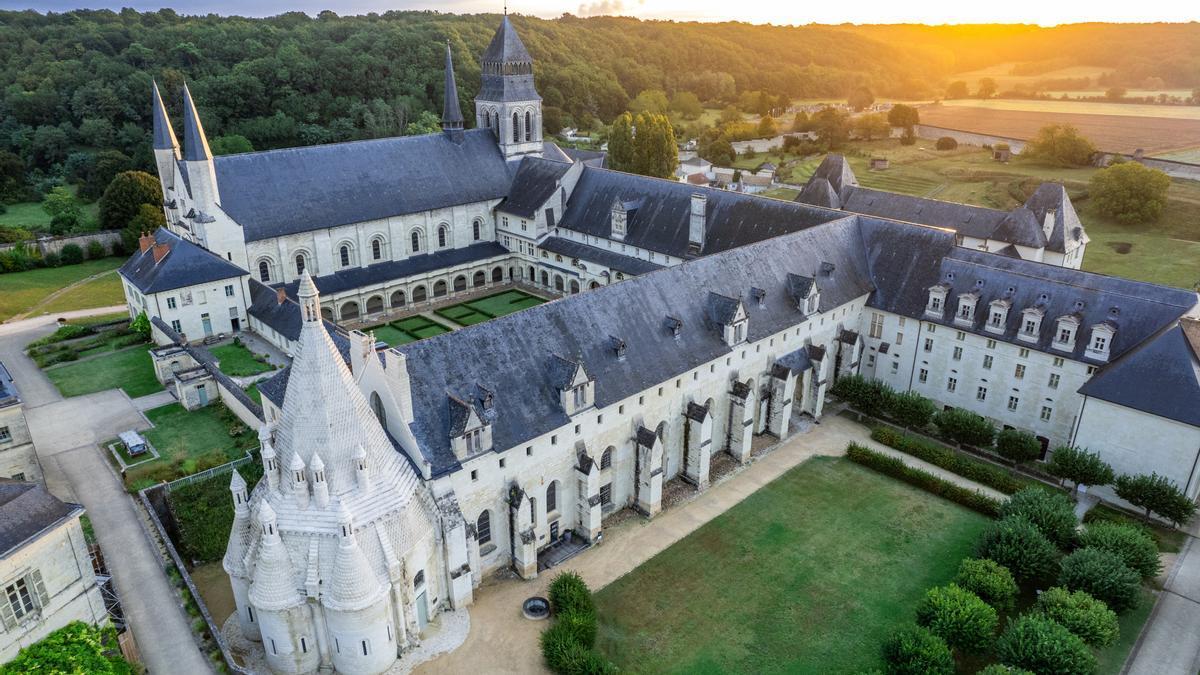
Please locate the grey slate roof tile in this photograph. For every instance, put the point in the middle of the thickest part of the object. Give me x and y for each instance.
(1160, 376)
(26, 509)
(185, 265)
(601, 256)
(533, 184)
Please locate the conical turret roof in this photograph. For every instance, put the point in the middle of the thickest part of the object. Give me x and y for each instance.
(274, 586)
(506, 45)
(164, 135)
(452, 117)
(195, 143)
(353, 585)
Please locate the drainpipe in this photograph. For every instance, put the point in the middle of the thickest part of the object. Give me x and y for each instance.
(912, 371)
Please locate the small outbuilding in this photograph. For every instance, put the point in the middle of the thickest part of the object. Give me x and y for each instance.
(134, 443)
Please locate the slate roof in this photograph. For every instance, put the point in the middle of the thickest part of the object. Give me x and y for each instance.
(506, 45)
(451, 112)
(533, 184)
(515, 355)
(279, 192)
(195, 143)
(1067, 227)
(660, 213)
(284, 317)
(551, 151)
(1160, 376)
(359, 277)
(26, 510)
(506, 48)
(596, 158)
(164, 135)
(9, 396)
(601, 256)
(186, 264)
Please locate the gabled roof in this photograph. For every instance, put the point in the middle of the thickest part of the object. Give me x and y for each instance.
(185, 264)
(1160, 376)
(818, 192)
(279, 192)
(600, 256)
(596, 158)
(836, 170)
(533, 184)
(27, 509)
(1067, 229)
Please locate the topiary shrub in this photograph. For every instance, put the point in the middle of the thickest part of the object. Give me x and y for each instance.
(1133, 544)
(1018, 545)
(912, 410)
(1018, 446)
(1081, 614)
(51, 259)
(916, 651)
(1079, 466)
(958, 616)
(946, 143)
(989, 580)
(580, 624)
(71, 254)
(965, 427)
(569, 593)
(1042, 645)
(1051, 512)
(95, 250)
(1103, 575)
(998, 669)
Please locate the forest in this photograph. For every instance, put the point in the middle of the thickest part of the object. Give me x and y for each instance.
(74, 104)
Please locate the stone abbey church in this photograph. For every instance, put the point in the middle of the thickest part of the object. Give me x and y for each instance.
(690, 324)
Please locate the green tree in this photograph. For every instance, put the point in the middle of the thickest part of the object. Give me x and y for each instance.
(1130, 192)
(767, 127)
(1060, 144)
(12, 178)
(1080, 467)
(655, 152)
(860, 99)
(686, 104)
(964, 427)
(957, 89)
(71, 254)
(1133, 544)
(230, 145)
(730, 114)
(1081, 614)
(74, 649)
(912, 410)
(104, 166)
(147, 220)
(123, 200)
(987, 87)
(1018, 545)
(1115, 93)
(1018, 446)
(713, 146)
(1156, 494)
(990, 580)
(620, 143)
(427, 122)
(1050, 512)
(141, 325)
(832, 127)
(917, 651)
(62, 207)
(1104, 576)
(870, 127)
(1042, 645)
(650, 101)
(801, 122)
(903, 116)
(958, 616)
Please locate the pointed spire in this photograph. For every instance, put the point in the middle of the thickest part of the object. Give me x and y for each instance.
(452, 118)
(310, 299)
(274, 586)
(506, 46)
(164, 135)
(195, 143)
(353, 584)
(234, 561)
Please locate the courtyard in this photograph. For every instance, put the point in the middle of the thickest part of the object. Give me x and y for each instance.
(467, 313)
(809, 574)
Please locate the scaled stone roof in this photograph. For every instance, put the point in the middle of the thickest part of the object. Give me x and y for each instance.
(1160, 376)
(27, 509)
(185, 265)
(279, 192)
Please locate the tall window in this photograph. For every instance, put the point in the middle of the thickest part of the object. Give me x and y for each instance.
(487, 120)
(483, 528)
(876, 325)
(264, 271)
(416, 241)
(516, 128)
(344, 254)
(606, 459)
(552, 497)
(23, 597)
(376, 249)
(528, 126)
(377, 408)
(300, 263)
(475, 230)
(441, 236)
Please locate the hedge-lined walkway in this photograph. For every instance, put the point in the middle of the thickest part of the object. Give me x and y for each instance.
(501, 641)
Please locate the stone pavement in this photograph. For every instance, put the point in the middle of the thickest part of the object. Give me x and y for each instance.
(502, 641)
(155, 400)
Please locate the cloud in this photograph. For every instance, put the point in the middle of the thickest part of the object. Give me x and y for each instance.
(604, 8)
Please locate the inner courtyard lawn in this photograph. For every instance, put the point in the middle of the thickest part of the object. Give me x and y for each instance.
(129, 369)
(236, 360)
(810, 574)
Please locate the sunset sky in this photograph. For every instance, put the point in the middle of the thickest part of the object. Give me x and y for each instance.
(755, 11)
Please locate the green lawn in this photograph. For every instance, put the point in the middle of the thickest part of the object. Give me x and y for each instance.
(22, 292)
(1111, 659)
(252, 392)
(130, 370)
(391, 335)
(189, 442)
(807, 575)
(236, 360)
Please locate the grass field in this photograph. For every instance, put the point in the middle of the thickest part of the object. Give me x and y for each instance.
(188, 442)
(130, 370)
(1005, 79)
(1111, 659)
(1112, 132)
(24, 292)
(237, 361)
(808, 575)
(1191, 155)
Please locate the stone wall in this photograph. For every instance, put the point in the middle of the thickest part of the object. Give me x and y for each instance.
(55, 244)
(1016, 145)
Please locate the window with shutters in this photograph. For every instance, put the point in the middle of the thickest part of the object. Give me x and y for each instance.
(23, 597)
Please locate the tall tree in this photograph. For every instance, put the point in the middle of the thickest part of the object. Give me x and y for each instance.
(957, 89)
(620, 143)
(987, 87)
(1130, 192)
(860, 99)
(123, 199)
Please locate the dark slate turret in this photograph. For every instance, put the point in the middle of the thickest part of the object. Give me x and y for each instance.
(164, 135)
(195, 143)
(507, 68)
(452, 118)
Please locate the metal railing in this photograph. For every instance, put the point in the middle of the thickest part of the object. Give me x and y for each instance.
(209, 473)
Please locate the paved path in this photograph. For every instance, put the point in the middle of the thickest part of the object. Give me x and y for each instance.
(20, 325)
(501, 641)
(65, 433)
(155, 400)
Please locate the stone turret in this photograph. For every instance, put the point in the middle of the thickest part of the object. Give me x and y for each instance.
(270, 461)
(507, 102)
(357, 608)
(284, 622)
(234, 561)
(452, 118)
(361, 470)
(299, 481)
(319, 487)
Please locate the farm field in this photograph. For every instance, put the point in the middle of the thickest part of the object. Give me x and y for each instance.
(1114, 133)
(1005, 79)
(1177, 112)
(1191, 155)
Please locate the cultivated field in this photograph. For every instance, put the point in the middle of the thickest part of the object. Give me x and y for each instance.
(1114, 133)
(1178, 112)
(1002, 74)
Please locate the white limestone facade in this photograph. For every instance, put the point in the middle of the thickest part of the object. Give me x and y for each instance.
(1135, 442)
(18, 457)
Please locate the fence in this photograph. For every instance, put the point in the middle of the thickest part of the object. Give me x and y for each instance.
(209, 473)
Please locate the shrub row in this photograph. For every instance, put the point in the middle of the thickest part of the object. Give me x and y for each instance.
(979, 471)
(568, 646)
(22, 257)
(896, 468)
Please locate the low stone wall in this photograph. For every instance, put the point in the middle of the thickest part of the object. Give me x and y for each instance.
(1016, 145)
(55, 244)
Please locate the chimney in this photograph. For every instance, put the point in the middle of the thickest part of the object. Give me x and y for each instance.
(145, 242)
(618, 220)
(697, 224)
(280, 295)
(160, 252)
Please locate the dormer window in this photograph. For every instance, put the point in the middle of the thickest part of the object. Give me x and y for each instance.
(619, 220)
(1064, 338)
(618, 347)
(728, 316)
(997, 316)
(739, 331)
(576, 389)
(675, 326)
(805, 293)
(1098, 346)
(470, 430)
(966, 309)
(1031, 325)
(759, 295)
(936, 305)
(811, 304)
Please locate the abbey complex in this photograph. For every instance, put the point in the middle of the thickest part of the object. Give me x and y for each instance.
(688, 323)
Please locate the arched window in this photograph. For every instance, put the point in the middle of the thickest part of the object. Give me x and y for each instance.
(552, 497)
(479, 278)
(419, 579)
(476, 228)
(528, 126)
(350, 310)
(532, 276)
(483, 528)
(264, 271)
(606, 459)
(460, 283)
(344, 255)
(545, 279)
(497, 275)
(300, 264)
(574, 286)
(375, 304)
(516, 128)
(376, 249)
(439, 289)
(419, 294)
(442, 236)
(416, 241)
(487, 119)
(558, 282)
(377, 408)
(398, 299)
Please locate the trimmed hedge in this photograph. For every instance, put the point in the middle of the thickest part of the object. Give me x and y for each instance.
(896, 468)
(917, 651)
(1050, 512)
(958, 616)
(965, 427)
(998, 669)
(568, 646)
(995, 477)
(569, 593)
(1104, 576)
(1042, 645)
(990, 580)
(1081, 614)
(1132, 543)
(1018, 545)
(1018, 446)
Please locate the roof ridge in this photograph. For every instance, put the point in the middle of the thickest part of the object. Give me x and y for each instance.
(1074, 285)
(298, 148)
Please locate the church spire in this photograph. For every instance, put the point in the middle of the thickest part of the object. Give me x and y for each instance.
(164, 135)
(452, 118)
(195, 143)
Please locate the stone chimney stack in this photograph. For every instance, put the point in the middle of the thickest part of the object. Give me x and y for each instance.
(280, 295)
(160, 252)
(697, 223)
(145, 242)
